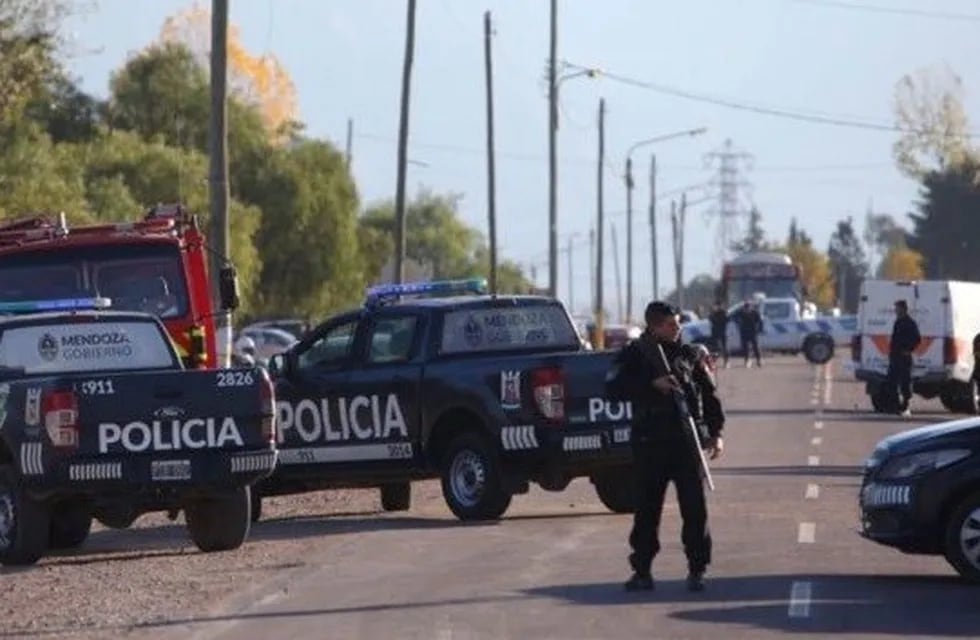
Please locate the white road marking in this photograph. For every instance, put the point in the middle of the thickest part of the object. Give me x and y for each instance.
(813, 461)
(818, 424)
(799, 599)
(808, 533)
(812, 492)
(816, 441)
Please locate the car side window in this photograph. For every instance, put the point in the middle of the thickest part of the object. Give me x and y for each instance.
(331, 348)
(391, 339)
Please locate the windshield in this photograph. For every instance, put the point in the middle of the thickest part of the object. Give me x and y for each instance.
(85, 347)
(743, 289)
(145, 277)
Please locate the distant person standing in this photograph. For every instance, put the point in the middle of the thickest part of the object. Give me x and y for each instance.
(749, 323)
(905, 338)
(719, 330)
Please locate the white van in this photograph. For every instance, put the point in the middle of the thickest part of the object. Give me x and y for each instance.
(948, 315)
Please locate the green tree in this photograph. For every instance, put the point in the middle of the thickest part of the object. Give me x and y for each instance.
(848, 264)
(308, 237)
(37, 176)
(901, 263)
(698, 292)
(755, 235)
(945, 225)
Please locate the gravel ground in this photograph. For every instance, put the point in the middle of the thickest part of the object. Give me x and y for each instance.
(152, 572)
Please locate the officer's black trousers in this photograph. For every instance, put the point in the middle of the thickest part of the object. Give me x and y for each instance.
(900, 374)
(751, 342)
(655, 466)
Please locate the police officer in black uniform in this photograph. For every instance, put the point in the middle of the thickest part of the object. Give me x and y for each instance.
(663, 446)
(905, 338)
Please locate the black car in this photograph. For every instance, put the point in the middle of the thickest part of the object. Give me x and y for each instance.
(921, 493)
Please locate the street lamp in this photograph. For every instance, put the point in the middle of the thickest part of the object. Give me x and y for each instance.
(553, 168)
(571, 282)
(629, 208)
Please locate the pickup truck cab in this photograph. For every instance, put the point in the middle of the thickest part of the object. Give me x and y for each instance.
(487, 393)
(99, 419)
(788, 326)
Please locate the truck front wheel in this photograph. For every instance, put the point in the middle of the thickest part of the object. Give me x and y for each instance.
(396, 496)
(818, 349)
(220, 522)
(71, 523)
(24, 522)
(615, 489)
(962, 544)
(472, 483)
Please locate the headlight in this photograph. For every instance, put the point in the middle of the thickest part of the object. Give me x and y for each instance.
(917, 463)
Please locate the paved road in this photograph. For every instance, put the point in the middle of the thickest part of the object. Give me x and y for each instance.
(788, 559)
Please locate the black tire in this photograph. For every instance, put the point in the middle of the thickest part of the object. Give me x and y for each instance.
(220, 522)
(819, 349)
(396, 496)
(24, 522)
(471, 479)
(960, 397)
(962, 540)
(71, 523)
(616, 489)
(255, 503)
(117, 517)
(884, 399)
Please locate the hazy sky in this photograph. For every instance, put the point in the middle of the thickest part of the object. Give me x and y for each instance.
(345, 57)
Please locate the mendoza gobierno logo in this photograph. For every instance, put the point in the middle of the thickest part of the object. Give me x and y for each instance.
(96, 345)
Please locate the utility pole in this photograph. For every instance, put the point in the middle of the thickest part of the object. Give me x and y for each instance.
(571, 281)
(491, 185)
(600, 324)
(678, 217)
(553, 156)
(653, 225)
(629, 239)
(619, 283)
(592, 297)
(403, 145)
(218, 159)
(350, 142)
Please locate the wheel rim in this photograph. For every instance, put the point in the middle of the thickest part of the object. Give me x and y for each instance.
(8, 514)
(820, 352)
(467, 478)
(970, 538)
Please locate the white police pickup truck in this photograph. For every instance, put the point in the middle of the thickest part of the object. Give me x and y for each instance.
(98, 419)
(787, 327)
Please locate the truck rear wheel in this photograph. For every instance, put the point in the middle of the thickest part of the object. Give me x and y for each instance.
(24, 522)
(818, 349)
(220, 522)
(884, 398)
(962, 542)
(472, 483)
(255, 502)
(396, 496)
(615, 488)
(71, 523)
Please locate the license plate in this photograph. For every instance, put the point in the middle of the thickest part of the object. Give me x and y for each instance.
(621, 435)
(170, 470)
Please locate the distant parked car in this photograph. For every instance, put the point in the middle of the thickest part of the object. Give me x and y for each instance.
(297, 328)
(268, 341)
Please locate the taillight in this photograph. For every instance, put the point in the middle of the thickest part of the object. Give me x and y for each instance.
(198, 350)
(549, 392)
(856, 347)
(60, 413)
(267, 407)
(950, 352)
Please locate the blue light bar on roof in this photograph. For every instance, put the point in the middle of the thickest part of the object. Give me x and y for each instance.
(435, 287)
(58, 304)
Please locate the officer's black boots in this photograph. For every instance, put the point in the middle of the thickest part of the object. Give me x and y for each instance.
(639, 582)
(695, 581)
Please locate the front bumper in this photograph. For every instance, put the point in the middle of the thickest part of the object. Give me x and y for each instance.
(900, 514)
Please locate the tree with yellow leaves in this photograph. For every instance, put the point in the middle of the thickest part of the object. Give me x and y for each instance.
(261, 80)
(901, 263)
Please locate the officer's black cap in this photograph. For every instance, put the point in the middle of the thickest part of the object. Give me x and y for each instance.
(658, 310)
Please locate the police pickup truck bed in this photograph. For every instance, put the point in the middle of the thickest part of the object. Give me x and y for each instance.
(487, 393)
(99, 419)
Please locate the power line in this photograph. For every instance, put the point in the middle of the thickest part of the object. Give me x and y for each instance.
(853, 6)
(812, 118)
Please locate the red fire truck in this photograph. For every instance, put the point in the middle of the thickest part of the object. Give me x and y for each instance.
(155, 265)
